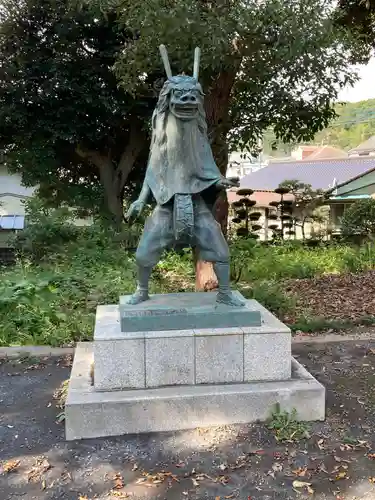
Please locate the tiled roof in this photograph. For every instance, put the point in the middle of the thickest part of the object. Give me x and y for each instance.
(325, 152)
(368, 145)
(12, 221)
(321, 174)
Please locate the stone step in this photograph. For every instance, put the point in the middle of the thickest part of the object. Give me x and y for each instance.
(90, 413)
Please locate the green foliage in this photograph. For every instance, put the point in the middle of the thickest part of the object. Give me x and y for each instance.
(52, 300)
(359, 219)
(271, 295)
(46, 230)
(355, 123)
(287, 427)
(359, 16)
(295, 40)
(305, 203)
(311, 324)
(65, 125)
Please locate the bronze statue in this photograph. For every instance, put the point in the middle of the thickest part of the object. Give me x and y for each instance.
(181, 175)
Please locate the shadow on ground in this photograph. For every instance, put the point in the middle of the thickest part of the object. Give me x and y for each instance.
(242, 461)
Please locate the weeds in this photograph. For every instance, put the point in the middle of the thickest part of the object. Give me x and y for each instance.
(60, 396)
(286, 426)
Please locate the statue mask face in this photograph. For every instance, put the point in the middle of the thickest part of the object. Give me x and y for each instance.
(185, 97)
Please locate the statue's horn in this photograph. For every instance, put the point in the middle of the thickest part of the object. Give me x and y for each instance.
(197, 56)
(164, 56)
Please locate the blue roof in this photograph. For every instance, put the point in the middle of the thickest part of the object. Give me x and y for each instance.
(12, 221)
(321, 174)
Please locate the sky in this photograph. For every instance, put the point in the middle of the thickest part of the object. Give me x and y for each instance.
(364, 88)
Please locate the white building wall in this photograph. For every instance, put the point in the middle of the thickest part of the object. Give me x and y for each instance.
(12, 193)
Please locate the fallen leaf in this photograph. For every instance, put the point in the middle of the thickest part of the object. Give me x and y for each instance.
(346, 447)
(229, 496)
(320, 444)
(341, 475)
(223, 479)
(300, 484)
(119, 482)
(41, 466)
(371, 456)
(218, 498)
(82, 497)
(300, 472)
(119, 494)
(44, 484)
(10, 465)
(372, 480)
(310, 490)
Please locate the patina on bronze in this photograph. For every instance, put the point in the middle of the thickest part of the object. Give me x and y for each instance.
(182, 176)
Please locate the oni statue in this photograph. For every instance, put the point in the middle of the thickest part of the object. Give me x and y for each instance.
(182, 177)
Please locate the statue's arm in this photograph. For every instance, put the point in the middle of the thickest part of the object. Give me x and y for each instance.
(145, 193)
(137, 206)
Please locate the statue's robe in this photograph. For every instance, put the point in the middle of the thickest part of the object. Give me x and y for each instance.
(181, 165)
(181, 159)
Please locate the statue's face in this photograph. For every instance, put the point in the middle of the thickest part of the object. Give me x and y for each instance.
(185, 96)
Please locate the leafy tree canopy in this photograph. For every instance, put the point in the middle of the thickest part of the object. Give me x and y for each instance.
(358, 16)
(64, 123)
(354, 124)
(266, 64)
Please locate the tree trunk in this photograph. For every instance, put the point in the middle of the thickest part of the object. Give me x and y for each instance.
(114, 201)
(113, 176)
(217, 112)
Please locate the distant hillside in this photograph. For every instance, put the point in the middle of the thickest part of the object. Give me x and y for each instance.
(355, 124)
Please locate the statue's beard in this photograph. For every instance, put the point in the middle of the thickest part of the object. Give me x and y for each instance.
(182, 145)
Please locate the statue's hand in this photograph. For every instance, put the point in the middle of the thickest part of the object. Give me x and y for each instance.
(135, 209)
(225, 183)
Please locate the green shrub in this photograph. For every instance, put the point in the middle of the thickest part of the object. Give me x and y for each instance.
(359, 219)
(271, 295)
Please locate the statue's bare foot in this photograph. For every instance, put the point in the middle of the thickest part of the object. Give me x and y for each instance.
(138, 297)
(229, 299)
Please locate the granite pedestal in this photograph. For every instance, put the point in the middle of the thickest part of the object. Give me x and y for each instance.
(177, 378)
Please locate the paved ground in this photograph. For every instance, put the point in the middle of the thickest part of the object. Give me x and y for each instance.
(243, 462)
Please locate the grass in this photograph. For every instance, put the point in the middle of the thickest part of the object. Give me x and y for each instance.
(53, 300)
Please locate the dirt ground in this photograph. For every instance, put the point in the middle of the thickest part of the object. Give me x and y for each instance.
(241, 462)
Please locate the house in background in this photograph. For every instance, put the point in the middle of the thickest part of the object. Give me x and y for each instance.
(241, 164)
(351, 178)
(343, 195)
(366, 148)
(12, 193)
(321, 174)
(12, 209)
(317, 153)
